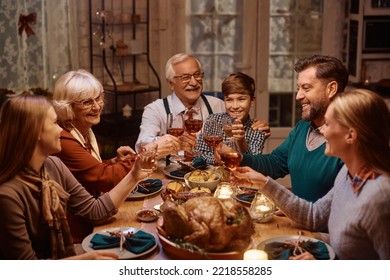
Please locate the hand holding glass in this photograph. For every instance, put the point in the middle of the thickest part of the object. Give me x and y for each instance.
(230, 153)
(147, 153)
(176, 128)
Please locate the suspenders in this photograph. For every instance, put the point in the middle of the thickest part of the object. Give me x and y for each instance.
(167, 110)
(206, 102)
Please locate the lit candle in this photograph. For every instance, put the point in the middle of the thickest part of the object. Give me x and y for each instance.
(224, 190)
(263, 208)
(254, 254)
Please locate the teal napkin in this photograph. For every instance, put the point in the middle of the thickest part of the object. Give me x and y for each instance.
(149, 186)
(282, 251)
(138, 243)
(197, 163)
(245, 197)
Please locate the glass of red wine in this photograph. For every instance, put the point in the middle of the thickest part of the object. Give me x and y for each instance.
(175, 124)
(212, 133)
(193, 122)
(230, 153)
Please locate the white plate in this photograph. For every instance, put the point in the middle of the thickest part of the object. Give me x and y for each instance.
(173, 167)
(142, 195)
(284, 238)
(124, 255)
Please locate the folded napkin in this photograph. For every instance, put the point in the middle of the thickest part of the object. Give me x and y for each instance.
(197, 163)
(149, 186)
(282, 250)
(138, 243)
(245, 197)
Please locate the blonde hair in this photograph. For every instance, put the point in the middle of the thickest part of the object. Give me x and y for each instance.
(21, 121)
(73, 86)
(368, 114)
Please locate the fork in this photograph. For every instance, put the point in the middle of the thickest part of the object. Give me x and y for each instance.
(122, 239)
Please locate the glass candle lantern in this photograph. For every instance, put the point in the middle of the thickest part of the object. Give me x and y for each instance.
(224, 190)
(254, 254)
(262, 208)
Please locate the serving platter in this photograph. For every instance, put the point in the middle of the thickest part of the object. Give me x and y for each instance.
(124, 255)
(294, 238)
(174, 251)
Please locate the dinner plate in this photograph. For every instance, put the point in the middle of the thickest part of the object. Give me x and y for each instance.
(284, 238)
(237, 196)
(124, 255)
(173, 167)
(142, 195)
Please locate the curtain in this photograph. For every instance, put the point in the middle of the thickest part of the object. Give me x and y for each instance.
(38, 41)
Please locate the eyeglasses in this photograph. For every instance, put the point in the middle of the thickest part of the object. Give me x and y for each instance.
(186, 78)
(89, 103)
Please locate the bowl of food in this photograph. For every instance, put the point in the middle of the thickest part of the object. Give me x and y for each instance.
(147, 215)
(202, 179)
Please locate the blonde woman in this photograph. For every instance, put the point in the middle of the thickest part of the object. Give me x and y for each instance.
(78, 100)
(36, 188)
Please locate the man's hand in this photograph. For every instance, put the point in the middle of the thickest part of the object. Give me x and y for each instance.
(262, 125)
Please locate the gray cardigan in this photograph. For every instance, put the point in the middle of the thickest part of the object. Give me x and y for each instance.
(358, 223)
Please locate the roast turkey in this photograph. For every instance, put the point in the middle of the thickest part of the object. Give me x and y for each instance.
(211, 224)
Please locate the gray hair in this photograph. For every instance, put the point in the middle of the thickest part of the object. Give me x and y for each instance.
(72, 87)
(179, 57)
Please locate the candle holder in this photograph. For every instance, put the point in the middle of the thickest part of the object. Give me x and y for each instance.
(254, 254)
(262, 208)
(224, 190)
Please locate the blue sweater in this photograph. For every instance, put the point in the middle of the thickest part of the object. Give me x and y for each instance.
(312, 172)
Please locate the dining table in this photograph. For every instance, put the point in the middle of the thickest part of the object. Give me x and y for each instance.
(278, 225)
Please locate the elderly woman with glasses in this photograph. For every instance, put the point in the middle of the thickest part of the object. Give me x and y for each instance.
(78, 100)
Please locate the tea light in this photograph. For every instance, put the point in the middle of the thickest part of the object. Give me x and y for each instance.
(263, 208)
(254, 254)
(224, 190)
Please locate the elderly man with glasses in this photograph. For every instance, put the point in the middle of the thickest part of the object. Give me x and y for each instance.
(184, 74)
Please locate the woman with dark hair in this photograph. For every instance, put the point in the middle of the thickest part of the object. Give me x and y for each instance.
(357, 209)
(36, 189)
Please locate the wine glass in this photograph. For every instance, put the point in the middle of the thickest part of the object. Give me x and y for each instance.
(230, 153)
(212, 133)
(227, 124)
(175, 124)
(193, 122)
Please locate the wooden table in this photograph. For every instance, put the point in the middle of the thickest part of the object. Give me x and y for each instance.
(278, 225)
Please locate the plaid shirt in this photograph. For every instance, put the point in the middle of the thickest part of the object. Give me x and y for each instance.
(255, 139)
(361, 178)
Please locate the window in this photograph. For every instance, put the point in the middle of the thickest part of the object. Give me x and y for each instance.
(214, 36)
(295, 32)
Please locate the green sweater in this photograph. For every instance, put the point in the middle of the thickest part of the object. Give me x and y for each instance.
(312, 172)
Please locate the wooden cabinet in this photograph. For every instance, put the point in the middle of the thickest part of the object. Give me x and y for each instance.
(368, 44)
(120, 59)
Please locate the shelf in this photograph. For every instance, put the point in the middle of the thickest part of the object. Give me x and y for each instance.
(130, 88)
(134, 55)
